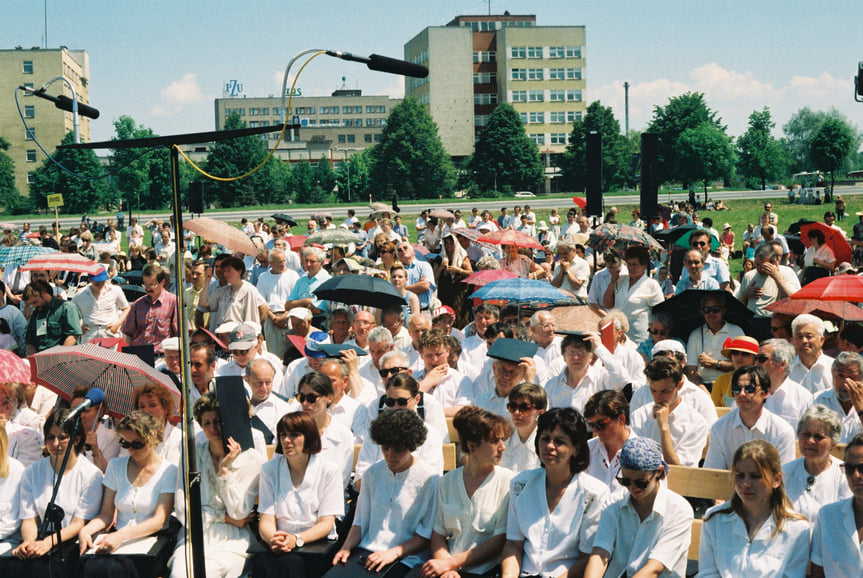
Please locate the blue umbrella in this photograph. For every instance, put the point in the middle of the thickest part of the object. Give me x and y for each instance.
(21, 254)
(523, 291)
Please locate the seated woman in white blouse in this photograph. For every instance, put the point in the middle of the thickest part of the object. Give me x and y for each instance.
(301, 495)
(11, 472)
(80, 496)
(138, 492)
(816, 479)
(646, 532)
(757, 533)
(554, 510)
(526, 402)
(836, 539)
(472, 501)
(156, 400)
(396, 507)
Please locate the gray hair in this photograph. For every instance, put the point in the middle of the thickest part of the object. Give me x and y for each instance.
(825, 415)
(847, 358)
(315, 252)
(487, 262)
(535, 318)
(565, 245)
(783, 352)
(808, 319)
(334, 311)
(396, 354)
(621, 323)
(343, 367)
(254, 363)
(276, 253)
(381, 336)
(765, 251)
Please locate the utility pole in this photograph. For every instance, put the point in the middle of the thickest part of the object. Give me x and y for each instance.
(626, 105)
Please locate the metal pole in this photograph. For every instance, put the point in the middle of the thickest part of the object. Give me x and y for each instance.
(194, 524)
(626, 105)
(348, 162)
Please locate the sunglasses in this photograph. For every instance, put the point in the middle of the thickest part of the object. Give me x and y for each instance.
(626, 482)
(749, 389)
(760, 358)
(698, 244)
(385, 373)
(135, 445)
(849, 469)
(519, 407)
(599, 424)
(658, 331)
(308, 397)
(400, 401)
(711, 309)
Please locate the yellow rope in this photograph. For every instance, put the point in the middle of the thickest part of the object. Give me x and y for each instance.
(273, 150)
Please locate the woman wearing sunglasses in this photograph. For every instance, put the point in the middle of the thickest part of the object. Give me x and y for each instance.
(554, 510)
(301, 495)
(526, 402)
(757, 533)
(316, 394)
(606, 414)
(138, 490)
(157, 401)
(646, 532)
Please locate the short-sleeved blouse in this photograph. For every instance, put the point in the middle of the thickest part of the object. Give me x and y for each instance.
(136, 504)
(827, 487)
(10, 498)
(80, 492)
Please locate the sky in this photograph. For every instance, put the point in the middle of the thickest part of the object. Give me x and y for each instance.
(164, 62)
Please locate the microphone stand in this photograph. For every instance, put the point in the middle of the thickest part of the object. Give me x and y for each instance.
(54, 514)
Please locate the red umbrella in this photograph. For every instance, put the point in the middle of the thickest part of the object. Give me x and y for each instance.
(13, 369)
(115, 343)
(511, 237)
(442, 214)
(62, 369)
(832, 238)
(482, 278)
(295, 242)
(222, 233)
(63, 262)
(581, 202)
(835, 288)
(833, 310)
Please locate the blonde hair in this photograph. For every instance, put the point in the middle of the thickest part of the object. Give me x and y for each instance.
(4, 453)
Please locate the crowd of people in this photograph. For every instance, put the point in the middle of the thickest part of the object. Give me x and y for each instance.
(565, 437)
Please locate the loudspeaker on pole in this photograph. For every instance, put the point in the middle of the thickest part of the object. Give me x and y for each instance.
(196, 197)
(594, 174)
(649, 175)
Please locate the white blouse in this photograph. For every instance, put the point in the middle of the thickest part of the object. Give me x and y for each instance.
(392, 508)
(297, 509)
(80, 491)
(829, 486)
(468, 522)
(337, 446)
(136, 504)
(10, 499)
(553, 540)
(835, 546)
(519, 457)
(725, 548)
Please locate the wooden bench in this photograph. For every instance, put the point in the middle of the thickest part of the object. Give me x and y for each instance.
(453, 433)
(721, 411)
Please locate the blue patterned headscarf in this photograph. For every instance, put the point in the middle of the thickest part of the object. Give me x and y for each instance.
(641, 455)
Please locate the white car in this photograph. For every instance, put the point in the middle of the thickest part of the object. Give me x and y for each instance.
(524, 195)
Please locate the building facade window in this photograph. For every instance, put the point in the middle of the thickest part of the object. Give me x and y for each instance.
(535, 96)
(519, 74)
(265, 111)
(523, 117)
(484, 56)
(573, 73)
(573, 96)
(29, 111)
(370, 109)
(29, 133)
(31, 177)
(557, 74)
(30, 86)
(519, 96)
(367, 137)
(537, 138)
(484, 77)
(518, 52)
(254, 112)
(27, 67)
(342, 138)
(377, 137)
(253, 124)
(352, 138)
(573, 51)
(534, 51)
(480, 120)
(484, 98)
(536, 117)
(31, 155)
(347, 110)
(557, 117)
(573, 116)
(325, 110)
(556, 52)
(558, 138)
(557, 95)
(370, 122)
(535, 74)
(382, 109)
(310, 109)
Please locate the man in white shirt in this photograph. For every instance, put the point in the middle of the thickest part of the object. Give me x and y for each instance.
(846, 395)
(601, 281)
(749, 421)
(513, 364)
(625, 350)
(361, 324)
(811, 368)
(275, 285)
(202, 368)
(474, 348)
(705, 343)
(542, 330)
(393, 319)
(259, 375)
(680, 431)
(417, 325)
(245, 345)
(767, 283)
(345, 409)
(788, 399)
(450, 387)
(103, 308)
(572, 273)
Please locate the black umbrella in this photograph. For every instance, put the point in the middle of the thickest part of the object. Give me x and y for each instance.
(671, 235)
(360, 290)
(794, 229)
(795, 245)
(133, 292)
(287, 219)
(685, 310)
(133, 277)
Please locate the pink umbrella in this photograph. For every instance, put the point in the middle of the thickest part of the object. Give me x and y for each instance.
(222, 233)
(511, 237)
(63, 262)
(13, 369)
(482, 278)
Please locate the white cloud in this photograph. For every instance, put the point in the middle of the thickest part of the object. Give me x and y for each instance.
(183, 91)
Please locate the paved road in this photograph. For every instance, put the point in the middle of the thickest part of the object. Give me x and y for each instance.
(494, 205)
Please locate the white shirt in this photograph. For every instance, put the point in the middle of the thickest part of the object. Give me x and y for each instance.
(688, 431)
(233, 368)
(80, 491)
(581, 269)
(607, 373)
(298, 508)
(808, 499)
(241, 305)
(466, 522)
(604, 467)
(835, 546)
(663, 536)
(552, 353)
(725, 549)
(553, 540)
(691, 394)
(635, 302)
(10, 501)
(817, 378)
(24, 443)
(271, 410)
(392, 508)
(633, 363)
(432, 414)
(351, 414)
(520, 456)
(136, 504)
(703, 340)
(851, 425)
(104, 310)
(275, 288)
(430, 453)
(337, 447)
(453, 390)
(789, 402)
(729, 433)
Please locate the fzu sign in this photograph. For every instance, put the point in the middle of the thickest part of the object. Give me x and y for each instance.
(233, 88)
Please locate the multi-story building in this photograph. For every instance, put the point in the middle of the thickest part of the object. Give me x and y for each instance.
(334, 126)
(32, 68)
(477, 62)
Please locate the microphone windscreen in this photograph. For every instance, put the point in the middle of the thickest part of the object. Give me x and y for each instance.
(95, 395)
(393, 66)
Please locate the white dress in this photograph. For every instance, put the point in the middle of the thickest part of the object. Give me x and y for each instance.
(136, 504)
(10, 500)
(80, 492)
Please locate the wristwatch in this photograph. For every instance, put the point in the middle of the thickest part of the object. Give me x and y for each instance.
(300, 541)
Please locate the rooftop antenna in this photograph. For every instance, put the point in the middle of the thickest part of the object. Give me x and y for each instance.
(344, 85)
(489, 6)
(46, 24)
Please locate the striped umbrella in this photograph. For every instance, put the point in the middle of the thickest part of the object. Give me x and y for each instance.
(62, 369)
(20, 254)
(63, 262)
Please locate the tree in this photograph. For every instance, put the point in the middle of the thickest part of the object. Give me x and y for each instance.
(504, 156)
(82, 191)
(305, 189)
(616, 153)
(410, 159)
(682, 112)
(325, 177)
(357, 168)
(760, 155)
(10, 198)
(132, 167)
(832, 144)
(704, 153)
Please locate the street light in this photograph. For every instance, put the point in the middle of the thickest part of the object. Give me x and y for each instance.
(348, 164)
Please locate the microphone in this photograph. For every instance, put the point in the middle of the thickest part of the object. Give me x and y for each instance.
(63, 102)
(384, 64)
(94, 397)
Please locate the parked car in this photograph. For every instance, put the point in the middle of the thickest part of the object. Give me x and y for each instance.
(524, 195)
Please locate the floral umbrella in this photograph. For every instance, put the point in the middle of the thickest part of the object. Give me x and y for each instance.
(618, 238)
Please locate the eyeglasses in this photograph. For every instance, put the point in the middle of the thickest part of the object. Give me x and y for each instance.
(711, 309)
(599, 424)
(849, 469)
(519, 407)
(403, 249)
(698, 243)
(640, 484)
(388, 251)
(135, 445)
(385, 373)
(761, 358)
(308, 397)
(400, 401)
(749, 389)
